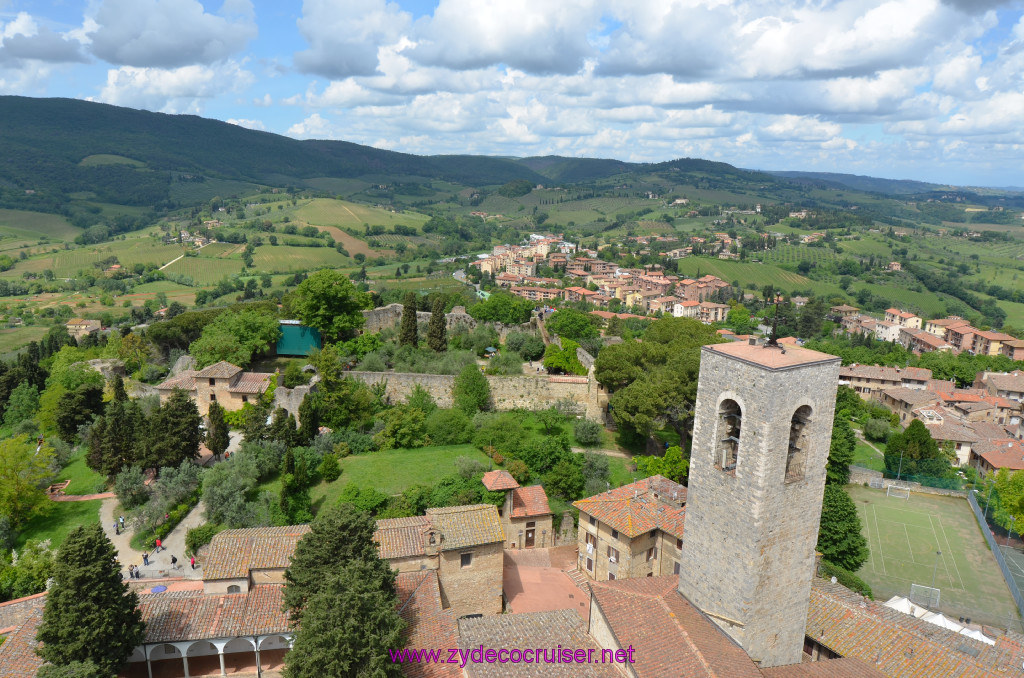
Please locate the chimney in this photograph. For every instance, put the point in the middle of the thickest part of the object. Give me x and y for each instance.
(753, 341)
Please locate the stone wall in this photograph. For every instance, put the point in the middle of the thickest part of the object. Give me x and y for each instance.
(291, 398)
(507, 393)
(475, 589)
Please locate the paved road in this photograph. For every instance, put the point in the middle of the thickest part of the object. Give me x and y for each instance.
(159, 563)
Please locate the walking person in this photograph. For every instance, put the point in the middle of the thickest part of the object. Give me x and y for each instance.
(145, 559)
(121, 521)
(158, 547)
(192, 560)
(174, 563)
(117, 530)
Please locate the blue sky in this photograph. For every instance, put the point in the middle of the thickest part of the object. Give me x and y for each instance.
(919, 89)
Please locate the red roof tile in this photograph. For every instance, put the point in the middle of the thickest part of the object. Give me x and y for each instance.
(669, 635)
(233, 553)
(191, 615)
(530, 501)
(18, 658)
(639, 507)
(401, 537)
(428, 625)
(499, 480)
(847, 667)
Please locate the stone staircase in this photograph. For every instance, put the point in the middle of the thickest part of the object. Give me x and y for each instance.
(581, 580)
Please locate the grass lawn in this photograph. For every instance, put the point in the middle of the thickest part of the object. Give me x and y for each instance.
(393, 471)
(904, 536)
(17, 337)
(61, 518)
(83, 479)
(864, 456)
(620, 472)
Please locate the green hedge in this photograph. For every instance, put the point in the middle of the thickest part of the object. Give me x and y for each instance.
(198, 537)
(846, 578)
(147, 539)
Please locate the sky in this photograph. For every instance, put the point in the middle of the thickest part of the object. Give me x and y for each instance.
(913, 89)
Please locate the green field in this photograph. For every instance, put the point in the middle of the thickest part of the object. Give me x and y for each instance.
(393, 471)
(32, 225)
(83, 479)
(17, 337)
(211, 265)
(108, 159)
(281, 259)
(929, 304)
(904, 536)
(67, 263)
(59, 518)
(342, 214)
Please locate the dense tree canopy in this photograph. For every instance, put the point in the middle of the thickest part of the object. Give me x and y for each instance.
(235, 337)
(328, 301)
(24, 469)
(503, 308)
(839, 538)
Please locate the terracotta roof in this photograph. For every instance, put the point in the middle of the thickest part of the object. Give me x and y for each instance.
(463, 526)
(427, 624)
(900, 645)
(1008, 454)
(951, 430)
(846, 667)
(221, 370)
(251, 382)
(185, 380)
(1014, 381)
(669, 635)
(233, 553)
(18, 658)
(545, 630)
(639, 507)
(911, 396)
(501, 479)
(772, 358)
(530, 501)
(401, 537)
(191, 615)
(882, 373)
(13, 613)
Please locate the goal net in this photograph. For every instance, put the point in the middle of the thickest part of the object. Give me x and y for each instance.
(898, 492)
(876, 483)
(925, 596)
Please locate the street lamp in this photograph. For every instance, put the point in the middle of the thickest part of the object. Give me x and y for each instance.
(900, 470)
(938, 556)
(1010, 533)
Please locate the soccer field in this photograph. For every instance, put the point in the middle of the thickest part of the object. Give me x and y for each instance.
(905, 536)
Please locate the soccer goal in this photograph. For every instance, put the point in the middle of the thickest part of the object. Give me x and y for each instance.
(898, 492)
(925, 596)
(876, 483)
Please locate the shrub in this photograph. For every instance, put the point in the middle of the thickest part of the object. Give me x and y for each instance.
(267, 453)
(130, 487)
(527, 344)
(517, 469)
(498, 458)
(329, 468)
(846, 578)
(359, 443)
(472, 392)
(876, 429)
(467, 467)
(294, 376)
(198, 537)
(587, 432)
(506, 364)
(449, 427)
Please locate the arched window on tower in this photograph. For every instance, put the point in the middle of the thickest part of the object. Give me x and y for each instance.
(730, 419)
(796, 455)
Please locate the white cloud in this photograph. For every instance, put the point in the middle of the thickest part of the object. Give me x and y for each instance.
(800, 128)
(313, 127)
(248, 123)
(169, 33)
(171, 90)
(23, 39)
(344, 35)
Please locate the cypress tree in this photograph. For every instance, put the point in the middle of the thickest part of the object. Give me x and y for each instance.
(174, 431)
(283, 428)
(407, 333)
(437, 333)
(120, 394)
(217, 438)
(91, 615)
(309, 420)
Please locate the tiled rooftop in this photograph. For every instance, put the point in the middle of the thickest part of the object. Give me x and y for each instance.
(428, 625)
(499, 480)
(1008, 454)
(185, 380)
(772, 358)
(401, 537)
(670, 636)
(18, 658)
(252, 383)
(545, 630)
(530, 501)
(233, 553)
(900, 645)
(463, 526)
(912, 396)
(192, 615)
(847, 667)
(882, 373)
(639, 507)
(221, 370)
(1013, 381)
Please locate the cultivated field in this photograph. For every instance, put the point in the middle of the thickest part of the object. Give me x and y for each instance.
(342, 214)
(283, 259)
(904, 536)
(32, 225)
(761, 274)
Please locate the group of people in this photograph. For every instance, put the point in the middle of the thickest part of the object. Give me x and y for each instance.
(134, 572)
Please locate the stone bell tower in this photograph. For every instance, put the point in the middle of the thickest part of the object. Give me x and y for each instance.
(761, 435)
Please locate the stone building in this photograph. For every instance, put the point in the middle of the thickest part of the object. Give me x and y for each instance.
(80, 327)
(223, 383)
(762, 430)
(632, 531)
(870, 380)
(462, 543)
(237, 560)
(526, 516)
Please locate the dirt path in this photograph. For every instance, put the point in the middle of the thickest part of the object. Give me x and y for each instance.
(159, 563)
(608, 453)
(861, 438)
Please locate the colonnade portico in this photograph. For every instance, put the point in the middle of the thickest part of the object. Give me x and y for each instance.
(253, 643)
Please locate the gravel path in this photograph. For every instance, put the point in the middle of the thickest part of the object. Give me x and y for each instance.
(159, 563)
